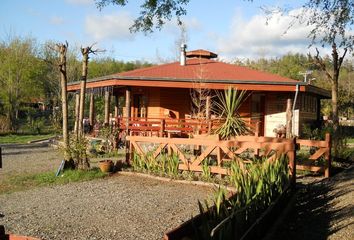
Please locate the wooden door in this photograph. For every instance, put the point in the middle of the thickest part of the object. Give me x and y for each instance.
(258, 111)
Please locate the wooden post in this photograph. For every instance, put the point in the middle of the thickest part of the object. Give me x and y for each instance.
(328, 155)
(0, 158)
(207, 107)
(127, 108)
(77, 107)
(292, 163)
(127, 115)
(256, 132)
(107, 98)
(218, 152)
(289, 118)
(92, 110)
(116, 106)
(210, 125)
(129, 151)
(162, 128)
(169, 149)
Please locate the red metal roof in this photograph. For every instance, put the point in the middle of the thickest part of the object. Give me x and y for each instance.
(201, 68)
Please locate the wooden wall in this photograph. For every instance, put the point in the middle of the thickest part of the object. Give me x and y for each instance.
(176, 100)
(305, 111)
(161, 101)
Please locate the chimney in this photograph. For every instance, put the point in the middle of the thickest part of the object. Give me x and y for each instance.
(183, 54)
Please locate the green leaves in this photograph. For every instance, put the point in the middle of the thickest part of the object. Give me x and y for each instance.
(257, 186)
(227, 108)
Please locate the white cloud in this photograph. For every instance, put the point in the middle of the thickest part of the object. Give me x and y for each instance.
(109, 27)
(55, 20)
(80, 2)
(258, 38)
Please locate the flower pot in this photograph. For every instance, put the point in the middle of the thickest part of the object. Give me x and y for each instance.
(106, 165)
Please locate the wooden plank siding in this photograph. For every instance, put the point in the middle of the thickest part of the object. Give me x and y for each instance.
(306, 105)
(176, 100)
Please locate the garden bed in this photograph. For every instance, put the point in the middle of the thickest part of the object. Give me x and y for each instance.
(256, 231)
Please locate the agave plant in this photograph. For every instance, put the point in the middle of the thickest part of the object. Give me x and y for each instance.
(227, 108)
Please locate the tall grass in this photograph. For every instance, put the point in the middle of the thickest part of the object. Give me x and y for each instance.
(164, 164)
(257, 186)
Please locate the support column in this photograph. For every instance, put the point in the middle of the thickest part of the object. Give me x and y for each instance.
(289, 118)
(128, 148)
(77, 107)
(318, 112)
(127, 103)
(106, 107)
(92, 110)
(116, 106)
(207, 107)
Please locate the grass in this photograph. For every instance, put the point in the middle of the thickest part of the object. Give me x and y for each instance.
(22, 138)
(24, 182)
(350, 140)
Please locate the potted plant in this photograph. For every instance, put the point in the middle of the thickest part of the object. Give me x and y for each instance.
(106, 165)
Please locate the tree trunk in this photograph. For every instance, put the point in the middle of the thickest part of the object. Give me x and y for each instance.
(77, 109)
(289, 118)
(85, 55)
(63, 83)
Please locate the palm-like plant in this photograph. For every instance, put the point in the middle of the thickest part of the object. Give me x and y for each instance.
(227, 108)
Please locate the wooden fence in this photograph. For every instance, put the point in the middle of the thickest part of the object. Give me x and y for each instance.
(321, 149)
(222, 150)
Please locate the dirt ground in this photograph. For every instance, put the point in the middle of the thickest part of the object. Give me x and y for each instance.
(324, 209)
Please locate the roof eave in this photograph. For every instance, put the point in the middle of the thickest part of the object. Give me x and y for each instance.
(226, 81)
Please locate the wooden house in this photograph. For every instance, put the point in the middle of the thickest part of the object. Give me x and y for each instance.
(164, 91)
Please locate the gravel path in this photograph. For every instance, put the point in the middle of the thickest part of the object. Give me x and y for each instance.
(323, 210)
(28, 158)
(118, 207)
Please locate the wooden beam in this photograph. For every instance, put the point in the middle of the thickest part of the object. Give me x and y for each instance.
(289, 118)
(208, 107)
(92, 110)
(127, 103)
(116, 105)
(107, 98)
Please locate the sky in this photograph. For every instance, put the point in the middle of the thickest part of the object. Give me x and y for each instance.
(234, 29)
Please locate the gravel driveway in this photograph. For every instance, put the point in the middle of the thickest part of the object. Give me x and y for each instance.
(28, 158)
(118, 207)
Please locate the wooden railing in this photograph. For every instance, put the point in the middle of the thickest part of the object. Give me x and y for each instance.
(222, 150)
(322, 149)
(162, 127)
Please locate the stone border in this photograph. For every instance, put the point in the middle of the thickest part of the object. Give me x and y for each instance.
(165, 179)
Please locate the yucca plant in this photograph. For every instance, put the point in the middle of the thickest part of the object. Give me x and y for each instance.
(227, 108)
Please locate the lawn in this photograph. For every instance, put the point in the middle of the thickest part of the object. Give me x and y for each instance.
(27, 181)
(22, 138)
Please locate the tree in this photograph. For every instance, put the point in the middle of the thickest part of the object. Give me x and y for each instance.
(20, 76)
(331, 24)
(154, 13)
(62, 50)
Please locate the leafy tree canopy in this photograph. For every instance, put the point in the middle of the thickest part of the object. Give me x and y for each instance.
(154, 13)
